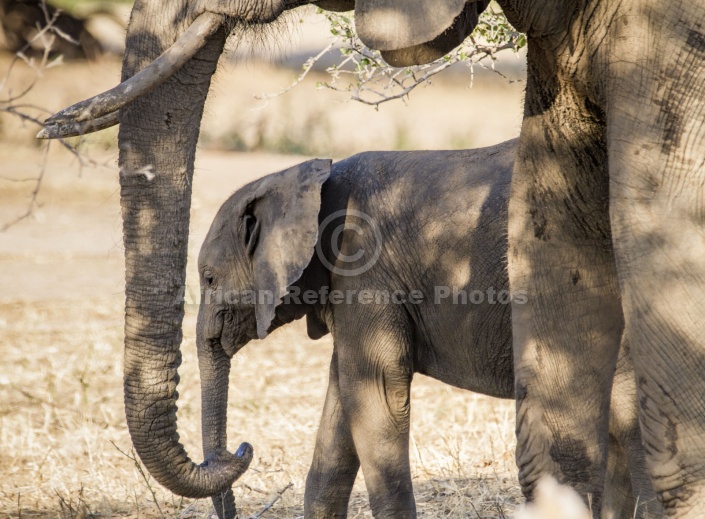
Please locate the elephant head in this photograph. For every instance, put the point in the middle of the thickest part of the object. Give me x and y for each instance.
(259, 244)
(172, 52)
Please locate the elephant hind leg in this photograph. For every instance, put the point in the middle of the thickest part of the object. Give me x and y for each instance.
(657, 212)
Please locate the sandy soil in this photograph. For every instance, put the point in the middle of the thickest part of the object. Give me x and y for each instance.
(61, 281)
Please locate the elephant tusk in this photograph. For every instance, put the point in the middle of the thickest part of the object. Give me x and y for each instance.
(76, 129)
(166, 65)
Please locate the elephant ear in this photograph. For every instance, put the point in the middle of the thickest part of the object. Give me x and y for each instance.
(389, 25)
(286, 207)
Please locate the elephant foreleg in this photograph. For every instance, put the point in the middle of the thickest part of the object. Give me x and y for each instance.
(335, 463)
(657, 200)
(375, 379)
(566, 312)
(618, 501)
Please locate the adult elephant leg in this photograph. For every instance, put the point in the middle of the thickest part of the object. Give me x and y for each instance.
(157, 139)
(335, 463)
(375, 379)
(618, 500)
(628, 488)
(656, 143)
(566, 312)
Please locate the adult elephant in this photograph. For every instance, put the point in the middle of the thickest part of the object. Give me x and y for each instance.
(606, 220)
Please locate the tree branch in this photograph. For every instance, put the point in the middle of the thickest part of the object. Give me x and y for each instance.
(371, 81)
(45, 37)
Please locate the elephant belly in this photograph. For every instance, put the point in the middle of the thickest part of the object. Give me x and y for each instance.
(469, 348)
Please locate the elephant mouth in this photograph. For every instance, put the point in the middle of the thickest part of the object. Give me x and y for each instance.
(451, 37)
(215, 344)
(230, 349)
(236, 333)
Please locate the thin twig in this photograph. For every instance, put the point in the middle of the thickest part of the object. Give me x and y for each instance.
(271, 503)
(254, 489)
(144, 475)
(307, 67)
(502, 515)
(26, 179)
(373, 82)
(45, 36)
(475, 509)
(404, 93)
(35, 192)
(178, 508)
(19, 55)
(63, 503)
(83, 502)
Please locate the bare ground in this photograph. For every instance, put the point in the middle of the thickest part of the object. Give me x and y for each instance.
(62, 427)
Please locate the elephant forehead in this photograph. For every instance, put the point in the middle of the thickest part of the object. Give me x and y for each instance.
(214, 252)
(397, 24)
(220, 237)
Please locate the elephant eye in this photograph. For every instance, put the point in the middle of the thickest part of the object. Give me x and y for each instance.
(208, 278)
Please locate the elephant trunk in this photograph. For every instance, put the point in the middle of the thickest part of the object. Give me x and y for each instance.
(214, 366)
(157, 139)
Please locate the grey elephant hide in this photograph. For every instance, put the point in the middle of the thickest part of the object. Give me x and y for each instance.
(409, 276)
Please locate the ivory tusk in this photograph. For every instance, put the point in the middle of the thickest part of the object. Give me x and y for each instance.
(146, 80)
(75, 129)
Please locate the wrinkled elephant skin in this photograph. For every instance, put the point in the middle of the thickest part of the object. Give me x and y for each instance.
(605, 225)
(450, 319)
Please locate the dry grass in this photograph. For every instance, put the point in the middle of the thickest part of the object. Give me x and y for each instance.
(61, 424)
(61, 412)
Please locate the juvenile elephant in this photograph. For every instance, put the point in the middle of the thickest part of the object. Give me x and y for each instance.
(402, 257)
